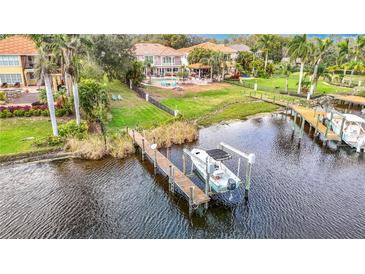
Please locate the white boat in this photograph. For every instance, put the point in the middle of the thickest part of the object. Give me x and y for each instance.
(353, 129)
(221, 179)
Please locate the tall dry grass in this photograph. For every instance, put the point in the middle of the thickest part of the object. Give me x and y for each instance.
(93, 148)
(120, 146)
(177, 133)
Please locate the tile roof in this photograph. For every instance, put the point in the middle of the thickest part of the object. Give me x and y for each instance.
(240, 47)
(209, 46)
(18, 45)
(154, 49)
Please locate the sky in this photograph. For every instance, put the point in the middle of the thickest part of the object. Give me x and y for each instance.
(224, 36)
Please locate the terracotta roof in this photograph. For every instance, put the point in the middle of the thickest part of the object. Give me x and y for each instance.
(209, 46)
(155, 49)
(17, 45)
(199, 66)
(240, 47)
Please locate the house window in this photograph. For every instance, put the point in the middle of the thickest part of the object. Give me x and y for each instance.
(148, 59)
(167, 60)
(11, 78)
(31, 76)
(9, 61)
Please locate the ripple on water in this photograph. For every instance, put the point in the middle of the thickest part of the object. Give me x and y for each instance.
(297, 191)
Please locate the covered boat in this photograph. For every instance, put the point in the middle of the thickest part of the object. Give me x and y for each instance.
(353, 132)
(221, 179)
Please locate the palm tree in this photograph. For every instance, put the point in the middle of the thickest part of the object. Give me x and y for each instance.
(44, 66)
(72, 47)
(285, 69)
(321, 48)
(265, 42)
(360, 44)
(254, 50)
(299, 47)
(343, 54)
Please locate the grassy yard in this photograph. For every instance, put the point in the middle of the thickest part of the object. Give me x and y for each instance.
(279, 82)
(15, 131)
(237, 111)
(211, 106)
(132, 111)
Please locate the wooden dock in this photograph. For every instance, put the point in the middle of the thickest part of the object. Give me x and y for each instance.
(176, 177)
(312, 118)
(352, 99)
(309, 115)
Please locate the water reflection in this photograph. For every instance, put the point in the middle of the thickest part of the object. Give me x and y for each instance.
(305, 191)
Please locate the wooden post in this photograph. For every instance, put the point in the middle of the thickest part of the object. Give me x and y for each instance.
(191, 197)
(317, 122)
(342, 124)
(155, 160)
(142, 148)
(134, 137)
(302, 128)
(172, 182)
(184, 163)
(207, 176)
(261, 95)
(248, 180)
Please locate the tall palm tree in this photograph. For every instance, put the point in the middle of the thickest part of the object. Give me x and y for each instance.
(343, 54)
(265, 42)
(360, 44)
(44, 66)
(301, 48)
(320, 49)
(254, 49)
(285, 69)
(72, 48)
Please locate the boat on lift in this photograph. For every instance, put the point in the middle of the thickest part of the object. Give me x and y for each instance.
(353, 132)
(221, 178)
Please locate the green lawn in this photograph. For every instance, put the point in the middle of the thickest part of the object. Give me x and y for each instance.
(133, 111)
(14, 131)
(278, 81)
(194, 105)
(237, 111)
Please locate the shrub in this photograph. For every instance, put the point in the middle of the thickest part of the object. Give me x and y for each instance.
(9, 114)
(19, 112)
(48, 141)
(27, 114)
(3, 114)
(60, 112)
(2, 96)
(72, 129)
(45, 112)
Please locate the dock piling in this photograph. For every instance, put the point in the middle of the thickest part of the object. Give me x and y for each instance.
(142, 149)
(248, 179)
(184, 163)
(191, 197)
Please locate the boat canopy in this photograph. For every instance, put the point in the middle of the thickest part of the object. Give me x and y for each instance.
(354, 118)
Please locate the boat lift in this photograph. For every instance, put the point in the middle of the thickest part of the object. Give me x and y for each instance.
(219, 154)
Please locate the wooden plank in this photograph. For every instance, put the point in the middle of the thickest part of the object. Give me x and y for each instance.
(180, 179)
(311, 117)
(351, 98)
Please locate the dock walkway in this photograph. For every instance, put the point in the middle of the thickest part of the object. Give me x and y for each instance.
(178, 177)
(311, 116)
(351, 99)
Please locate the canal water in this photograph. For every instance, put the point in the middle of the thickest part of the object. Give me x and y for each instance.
(298, 191)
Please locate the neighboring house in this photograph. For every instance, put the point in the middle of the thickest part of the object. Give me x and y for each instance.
(232, 53)
(288, 61)
(238, 48)
(164, 60)
(17, 59)
(17, 62)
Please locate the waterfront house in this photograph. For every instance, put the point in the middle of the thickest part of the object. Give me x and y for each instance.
(164, 60)
(201, 69)
(17, 63)
(17, 59)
